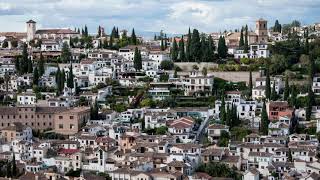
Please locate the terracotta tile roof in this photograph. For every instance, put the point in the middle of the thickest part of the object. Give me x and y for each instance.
(68, 151)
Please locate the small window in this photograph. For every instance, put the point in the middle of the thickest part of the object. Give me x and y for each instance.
(60, 126)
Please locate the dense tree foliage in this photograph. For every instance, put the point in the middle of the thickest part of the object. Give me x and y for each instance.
(219, 170)
(137, 59)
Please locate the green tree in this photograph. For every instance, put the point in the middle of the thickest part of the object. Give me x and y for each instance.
(137, 60)
(133, 38)
(86, 30)
(148, 102)
(161, 130)
(94, 111)
(6, 80)
(222, 48)
(286, 89)
(250, 83)
(310, 97)
(166, 65)
(223, 115)
(204, 71)
(70, 83)
(14, 166)
(41, 65)
(224, 139)
(164, 77)
(211, 49)
(62, 79)
(174, 50)
(241, 42)
(195, 46)
(268, 87)
(30, 66)
(17, 65)
(9, 169)
(293, 96)
(273, 96)
(162, 45)
(182, 55)
(188, 53)
(277, 27)
(246, 43)
(35, 76)
(264, 124)
(58, 80)
(65, 53)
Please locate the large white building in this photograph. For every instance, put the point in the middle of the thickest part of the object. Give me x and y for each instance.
(33, 32)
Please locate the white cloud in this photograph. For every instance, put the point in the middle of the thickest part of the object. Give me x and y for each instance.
(174, 16)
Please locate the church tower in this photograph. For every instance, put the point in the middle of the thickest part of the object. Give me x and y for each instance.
(31, 30)
(262, 30)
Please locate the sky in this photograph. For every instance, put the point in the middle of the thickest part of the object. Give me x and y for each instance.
(172, 16)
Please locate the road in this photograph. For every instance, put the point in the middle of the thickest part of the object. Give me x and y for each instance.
(201, 129)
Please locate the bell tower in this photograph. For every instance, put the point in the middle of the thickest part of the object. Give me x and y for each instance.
(262, 30)
(31, 30)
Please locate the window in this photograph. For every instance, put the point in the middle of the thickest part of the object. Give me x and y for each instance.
(71, 117)
(60, 117)
(60, 126)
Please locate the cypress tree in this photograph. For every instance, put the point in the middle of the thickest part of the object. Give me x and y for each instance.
(30, 66)
(223, 111)
(62, 79)
(17, 65)
(246, 43)
(58, 80)
(204, 49)
(210, 49)
(264, 120)
(250, 84)
(41, 65)
(310, 97)
(229, 116)
(70, 83)
(86, 30)
(241, 42)
(165, 41)
(293, 96)
(94, 111)
(9, 169)
(181, 50)
(162, 45)
(222, 48)
(14, 166)
(35, 76)
(188, 55)
(268, 88)
(133, 37)
(99, 31)
(286, 90)
(111, 42)
(307, 48)
(195, 46)
(25, 59)
(105, 44)
(65, 53)
(273, 92)
(174, 50)
(137, 61)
